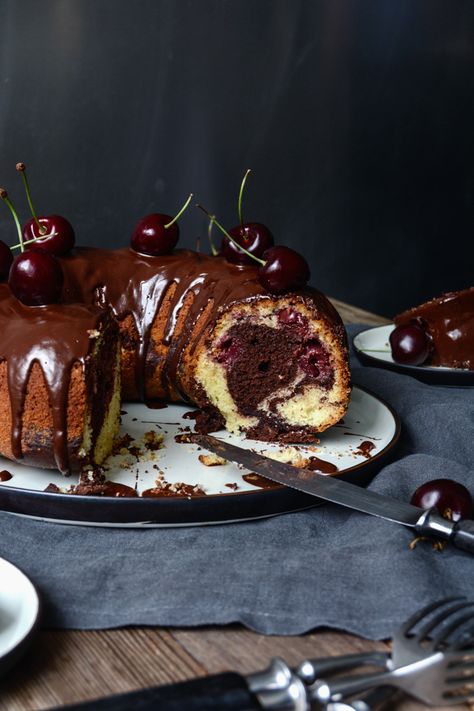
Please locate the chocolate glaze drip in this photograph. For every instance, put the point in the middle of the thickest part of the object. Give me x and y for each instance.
(56, 337)
(449, 320)
(135, 284)
(5, 475)
(365, 448)
(321, 465)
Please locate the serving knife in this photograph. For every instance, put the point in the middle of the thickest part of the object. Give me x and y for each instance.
(425, 522)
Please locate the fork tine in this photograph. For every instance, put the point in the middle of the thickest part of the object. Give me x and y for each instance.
(439, 618)
(459, 698)
(456, 681)
(418, 616)
(448, 630)
(463, 660)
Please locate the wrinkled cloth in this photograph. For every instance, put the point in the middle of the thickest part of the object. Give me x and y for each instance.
(323, 567)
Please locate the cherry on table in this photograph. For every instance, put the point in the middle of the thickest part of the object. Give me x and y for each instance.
(451, 499)
(410, 345)
(253, 236)
(6, 259)
(284, 270)
(36, 278)
(52, 233)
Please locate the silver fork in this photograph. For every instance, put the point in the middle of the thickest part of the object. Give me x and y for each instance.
(433, 663)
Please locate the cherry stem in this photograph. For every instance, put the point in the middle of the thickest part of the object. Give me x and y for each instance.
(180, 212)
(32, 241)
(21, 168)
(224, 231)
(8, 202)
(209, 236)
(241, 192)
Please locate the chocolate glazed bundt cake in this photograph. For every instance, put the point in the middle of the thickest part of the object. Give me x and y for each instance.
(199, 329)
(59, 383)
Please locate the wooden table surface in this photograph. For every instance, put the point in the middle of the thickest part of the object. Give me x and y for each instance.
(62, 667)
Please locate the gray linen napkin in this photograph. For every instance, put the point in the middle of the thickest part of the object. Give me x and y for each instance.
(284, 575)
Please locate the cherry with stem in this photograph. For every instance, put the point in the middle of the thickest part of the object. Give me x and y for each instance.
(213, 220)
(9, 204)
(241, 192)
(21, 168)
(52, 233)
(281, 269)
(157, 234)
(35, 277)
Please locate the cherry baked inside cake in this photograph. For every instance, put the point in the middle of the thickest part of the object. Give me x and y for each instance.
(275, 369)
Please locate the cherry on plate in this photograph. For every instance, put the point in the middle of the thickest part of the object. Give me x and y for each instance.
(410, 345)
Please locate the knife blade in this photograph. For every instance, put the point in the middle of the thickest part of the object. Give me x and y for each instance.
(426, 522)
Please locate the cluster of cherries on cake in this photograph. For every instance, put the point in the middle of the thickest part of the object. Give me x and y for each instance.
(35, 275)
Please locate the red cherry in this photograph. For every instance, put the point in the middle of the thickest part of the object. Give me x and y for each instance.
(36, 278)
(291, 317)
(6, 259)
(451, 499)
(284, 270)
(253, 236)
(59, 233)
(410, 345)
(150, 235)
(157, 234)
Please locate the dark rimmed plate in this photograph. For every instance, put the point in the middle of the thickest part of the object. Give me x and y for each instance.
(19, 613)
(372, 348)
(357, 447)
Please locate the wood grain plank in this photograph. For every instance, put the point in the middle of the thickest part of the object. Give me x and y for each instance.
(353, 314)
(63, 667)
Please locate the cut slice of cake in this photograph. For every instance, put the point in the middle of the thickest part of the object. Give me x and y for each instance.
(59, 384)
(275, 369)
(449, 322)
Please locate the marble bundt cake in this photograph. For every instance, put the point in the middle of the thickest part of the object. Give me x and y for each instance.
(200, 329)
(449, 322)
(192, 328)
(59, 383)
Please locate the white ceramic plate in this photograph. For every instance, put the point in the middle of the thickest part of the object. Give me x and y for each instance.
(19, 613)
(224, 493)
(373, 348)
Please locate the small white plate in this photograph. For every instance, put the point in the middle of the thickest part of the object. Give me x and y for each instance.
(19, 613)
(373, 348)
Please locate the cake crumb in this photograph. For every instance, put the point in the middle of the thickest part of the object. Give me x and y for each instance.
(211, 460)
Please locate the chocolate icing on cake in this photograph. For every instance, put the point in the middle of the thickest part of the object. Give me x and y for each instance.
(449, 321)
(31, 334)
(137, 284)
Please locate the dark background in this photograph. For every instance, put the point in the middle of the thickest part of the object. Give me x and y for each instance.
(356, 116)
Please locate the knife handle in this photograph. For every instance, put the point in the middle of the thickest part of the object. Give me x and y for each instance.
(463, 535)
(227, 691)
(460, 534)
